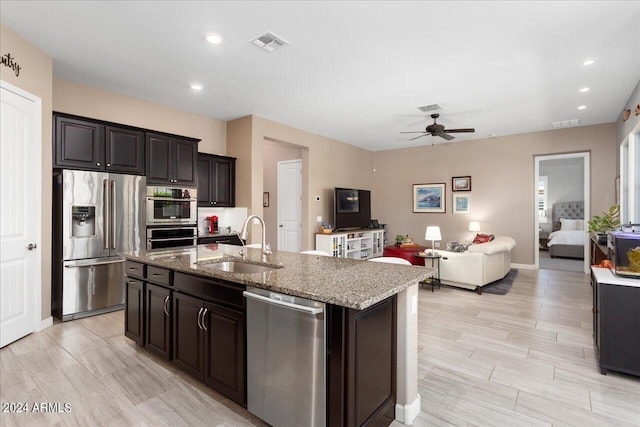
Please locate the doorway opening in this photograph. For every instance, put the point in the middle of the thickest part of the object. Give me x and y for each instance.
(562, 201)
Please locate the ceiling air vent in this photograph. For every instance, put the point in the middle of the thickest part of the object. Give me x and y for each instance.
(565, 124)
(430, 107)
(269, 41)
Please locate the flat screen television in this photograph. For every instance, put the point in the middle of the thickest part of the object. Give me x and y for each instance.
(352, 208)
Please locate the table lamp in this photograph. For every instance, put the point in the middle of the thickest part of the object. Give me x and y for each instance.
(433, 234)
(475, 227)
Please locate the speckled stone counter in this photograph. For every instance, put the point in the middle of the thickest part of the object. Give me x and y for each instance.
(344, 282)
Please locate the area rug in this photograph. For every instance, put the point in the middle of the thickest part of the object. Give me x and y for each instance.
(503, 286)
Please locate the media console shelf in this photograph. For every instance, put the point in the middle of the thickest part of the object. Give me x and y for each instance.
(354, 244)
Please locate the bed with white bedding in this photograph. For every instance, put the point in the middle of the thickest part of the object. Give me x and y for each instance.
(569, 235)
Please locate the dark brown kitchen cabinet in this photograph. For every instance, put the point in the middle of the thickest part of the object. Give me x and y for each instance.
(208, 343)
(224, 352)
(157, 304)
(124, 150)
(617, 347)
(171, 160)
(216, 181)
(79, 144)
(94, 145)
(134, 310)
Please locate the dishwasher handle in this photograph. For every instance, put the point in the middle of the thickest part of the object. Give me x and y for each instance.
(310, 310)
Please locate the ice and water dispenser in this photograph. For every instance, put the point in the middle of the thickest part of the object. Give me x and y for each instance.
(83, 221)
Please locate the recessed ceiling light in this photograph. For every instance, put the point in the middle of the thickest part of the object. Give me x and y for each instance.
(214, 38)
(196, 86)
(582, 107)
(584, 89)
(588, 62)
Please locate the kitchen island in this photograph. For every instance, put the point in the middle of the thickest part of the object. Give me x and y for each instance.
(184, 306)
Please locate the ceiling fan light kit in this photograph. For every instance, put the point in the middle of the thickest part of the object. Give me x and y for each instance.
(436, 129)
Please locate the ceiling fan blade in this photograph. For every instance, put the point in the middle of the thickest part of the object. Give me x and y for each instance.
(444, 135)
(459, 130)
(418, 137)
(414, 132)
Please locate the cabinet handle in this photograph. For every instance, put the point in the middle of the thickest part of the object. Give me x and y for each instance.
(108, 165)
(211, 203)
(98, 164)
(204, 313)
(156, 275)
(199, 318)
(166, 301)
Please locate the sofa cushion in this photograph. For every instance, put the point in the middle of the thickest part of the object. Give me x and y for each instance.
(483, 238)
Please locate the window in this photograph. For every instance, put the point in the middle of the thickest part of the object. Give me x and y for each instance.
(543, 200)
(630, 179)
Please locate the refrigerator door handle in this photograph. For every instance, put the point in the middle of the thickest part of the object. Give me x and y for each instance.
(112, 219)
(105, 213)
(83, 263)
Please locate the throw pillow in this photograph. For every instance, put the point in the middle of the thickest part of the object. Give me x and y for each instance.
(483, 238)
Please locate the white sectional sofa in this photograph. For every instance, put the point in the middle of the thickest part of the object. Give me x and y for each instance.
(479, 265)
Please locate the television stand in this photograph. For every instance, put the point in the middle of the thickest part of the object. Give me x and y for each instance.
(358, 243)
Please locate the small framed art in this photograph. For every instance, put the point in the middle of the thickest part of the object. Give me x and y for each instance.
(461, 183)
(461, 204)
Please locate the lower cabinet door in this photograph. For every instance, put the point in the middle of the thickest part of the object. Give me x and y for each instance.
(187, 335)
(134, 313)
(158, 320)
(224, 357)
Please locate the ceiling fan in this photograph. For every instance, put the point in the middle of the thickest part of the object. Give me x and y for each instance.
(438, 130)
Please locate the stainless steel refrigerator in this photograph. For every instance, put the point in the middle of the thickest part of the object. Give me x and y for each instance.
(99, 217)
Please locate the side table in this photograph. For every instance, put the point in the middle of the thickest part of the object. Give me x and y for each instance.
(435, 266)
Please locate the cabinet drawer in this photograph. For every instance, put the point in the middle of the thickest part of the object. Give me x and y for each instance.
(159, 275)
(135, 269)
(229, 294)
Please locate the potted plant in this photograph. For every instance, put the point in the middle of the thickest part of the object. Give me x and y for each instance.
(399, 239)
(608, 221)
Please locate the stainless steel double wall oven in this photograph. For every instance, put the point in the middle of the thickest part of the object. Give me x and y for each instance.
(172, 216)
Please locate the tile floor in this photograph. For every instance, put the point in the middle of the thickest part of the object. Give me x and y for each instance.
(525, 358)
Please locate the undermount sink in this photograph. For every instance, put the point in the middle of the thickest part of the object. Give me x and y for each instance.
(238, 267)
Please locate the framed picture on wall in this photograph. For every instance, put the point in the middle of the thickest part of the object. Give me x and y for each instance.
(461, 183)
(461, 204)
(429, 198)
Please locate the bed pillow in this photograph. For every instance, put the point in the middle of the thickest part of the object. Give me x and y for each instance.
(483, 238)
(571, 224)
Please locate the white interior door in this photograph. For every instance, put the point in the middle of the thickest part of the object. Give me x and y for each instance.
(290, 205)
(20, 171)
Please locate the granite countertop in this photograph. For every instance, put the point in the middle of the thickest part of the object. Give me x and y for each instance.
(345, 282)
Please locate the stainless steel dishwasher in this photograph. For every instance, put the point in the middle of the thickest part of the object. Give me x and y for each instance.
(285, 359)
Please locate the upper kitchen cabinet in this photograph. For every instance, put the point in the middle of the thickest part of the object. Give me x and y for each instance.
(216, 181)
(124, 150)
(93, 145)
(79, 144)
(171, 160)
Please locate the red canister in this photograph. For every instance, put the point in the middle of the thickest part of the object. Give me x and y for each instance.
(213, 224)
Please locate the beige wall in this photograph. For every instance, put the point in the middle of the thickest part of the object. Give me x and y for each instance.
(502, 175)
(35, 77)
(275, 152)
(326, 164)
(74, 98)
(625, 128)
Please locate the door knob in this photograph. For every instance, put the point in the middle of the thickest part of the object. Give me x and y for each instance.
(280, 225)
(32, 246)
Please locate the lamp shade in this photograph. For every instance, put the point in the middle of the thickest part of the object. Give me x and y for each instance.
(474, 226)
(433, 233)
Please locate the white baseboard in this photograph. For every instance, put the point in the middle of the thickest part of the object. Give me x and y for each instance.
(523, 266)
(406, 414)
(44, 324)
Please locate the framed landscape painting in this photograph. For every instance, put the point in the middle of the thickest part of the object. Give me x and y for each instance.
(461, 183)
(429, 198)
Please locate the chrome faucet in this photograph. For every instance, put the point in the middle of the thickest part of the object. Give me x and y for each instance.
(245, 228)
